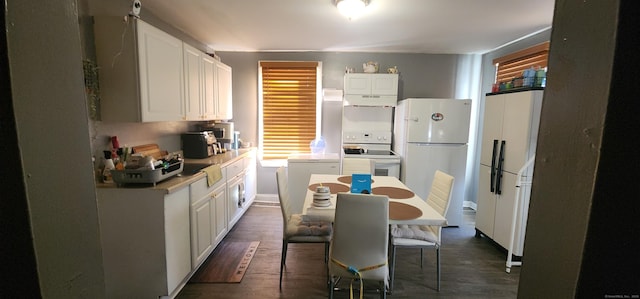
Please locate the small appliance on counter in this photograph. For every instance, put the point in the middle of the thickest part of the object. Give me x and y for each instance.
(224, 133)
(199, 145)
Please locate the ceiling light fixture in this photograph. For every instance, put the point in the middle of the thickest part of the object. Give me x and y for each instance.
(351, 9)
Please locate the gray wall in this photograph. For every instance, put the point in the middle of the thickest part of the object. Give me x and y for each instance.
(421, 75)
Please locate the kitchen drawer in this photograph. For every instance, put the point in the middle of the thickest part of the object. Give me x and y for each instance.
(235, 168)
(199, 189)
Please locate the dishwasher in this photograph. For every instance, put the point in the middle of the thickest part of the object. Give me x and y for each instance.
(300, 167)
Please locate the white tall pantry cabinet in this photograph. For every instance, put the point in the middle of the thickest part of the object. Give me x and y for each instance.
(509, 138)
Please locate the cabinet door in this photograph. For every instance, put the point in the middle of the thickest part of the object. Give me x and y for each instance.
(250, 181)
(504, 210)
(201, 230)
(384, 84)
(208, 87)
(177, 237)
(161, 75)
(357, 84)
(234, 193)
(224, 91)
(192, 73)
(219, 202)
(516, 129)
(486, 205)
(491, 126)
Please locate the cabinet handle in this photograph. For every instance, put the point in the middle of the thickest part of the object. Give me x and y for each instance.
(493, 167)
(499, 171)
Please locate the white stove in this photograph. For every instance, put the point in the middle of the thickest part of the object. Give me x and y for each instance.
(375, 145)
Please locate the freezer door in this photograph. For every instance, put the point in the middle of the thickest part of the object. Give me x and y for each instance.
(437, 120)
(420, 163)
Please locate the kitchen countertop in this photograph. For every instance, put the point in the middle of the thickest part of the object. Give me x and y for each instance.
(179, 181)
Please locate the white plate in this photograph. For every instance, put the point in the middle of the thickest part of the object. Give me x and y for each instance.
(326, 207)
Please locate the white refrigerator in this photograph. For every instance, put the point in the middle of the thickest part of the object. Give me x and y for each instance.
(429, 135)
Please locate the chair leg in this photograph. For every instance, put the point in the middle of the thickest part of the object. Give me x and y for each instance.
(331, 286)
(393, 267)
(326, 252)
(421, 257)
(438, 266)
(283, 258)
(383, 292)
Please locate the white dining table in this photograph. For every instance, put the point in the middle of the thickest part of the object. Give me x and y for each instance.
(429, 215)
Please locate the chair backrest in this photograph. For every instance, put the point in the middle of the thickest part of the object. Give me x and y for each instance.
(358, 165)
(361, 234)
(283, 193)
(439, 197)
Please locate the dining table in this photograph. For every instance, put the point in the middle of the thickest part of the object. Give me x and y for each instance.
(405, 207)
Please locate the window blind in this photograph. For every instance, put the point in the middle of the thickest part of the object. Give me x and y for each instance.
(288, 107)
(512, 65)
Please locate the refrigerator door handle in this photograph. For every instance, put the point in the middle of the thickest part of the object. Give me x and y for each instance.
(492, 187)
(499, 171)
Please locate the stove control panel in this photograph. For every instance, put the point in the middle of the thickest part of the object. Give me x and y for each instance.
(366, 137)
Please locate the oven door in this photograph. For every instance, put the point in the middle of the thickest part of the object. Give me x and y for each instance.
(388, 167)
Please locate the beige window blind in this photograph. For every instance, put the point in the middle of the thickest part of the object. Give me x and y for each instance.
(288, 107)
(511, 66)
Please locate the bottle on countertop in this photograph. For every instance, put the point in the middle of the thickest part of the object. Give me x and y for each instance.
(108, 166)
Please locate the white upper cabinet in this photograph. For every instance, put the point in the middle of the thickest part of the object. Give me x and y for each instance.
(148, 75)
(364, 89)
(141, 71)
(208, 87)
(193, 70)
(200, 82)
(224, 96)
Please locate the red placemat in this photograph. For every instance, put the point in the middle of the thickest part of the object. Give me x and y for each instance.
(393, 192)
(334, 187)
(403, 211)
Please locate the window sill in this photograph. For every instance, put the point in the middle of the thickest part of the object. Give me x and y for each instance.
(273, 163)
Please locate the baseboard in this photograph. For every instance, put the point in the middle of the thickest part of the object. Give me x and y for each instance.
(470, 204)
(267, 199)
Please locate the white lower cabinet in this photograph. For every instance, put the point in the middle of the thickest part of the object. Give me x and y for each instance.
(145, 241)
(154, 240)
(206, 232)
(202, 227)
(235, 191)
(250, 178)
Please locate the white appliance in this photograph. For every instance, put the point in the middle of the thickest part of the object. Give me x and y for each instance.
(432, 134)
(370, 128)
(300, 167)
(374, 145)
(509, 138)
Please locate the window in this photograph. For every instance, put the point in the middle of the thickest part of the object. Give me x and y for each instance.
(512, 65)
(289, 110)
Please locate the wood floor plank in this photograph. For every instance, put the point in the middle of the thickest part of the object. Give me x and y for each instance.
(471, 267)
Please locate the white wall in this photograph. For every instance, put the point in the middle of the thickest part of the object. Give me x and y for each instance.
(51, 115)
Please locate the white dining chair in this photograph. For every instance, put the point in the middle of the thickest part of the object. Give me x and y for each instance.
(360, 245)
(299, 228)
(424, 236)
(358, 165)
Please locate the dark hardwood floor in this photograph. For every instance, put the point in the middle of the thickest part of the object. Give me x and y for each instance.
(471, 267)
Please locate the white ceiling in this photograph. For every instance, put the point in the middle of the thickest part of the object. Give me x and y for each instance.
(401, 26)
